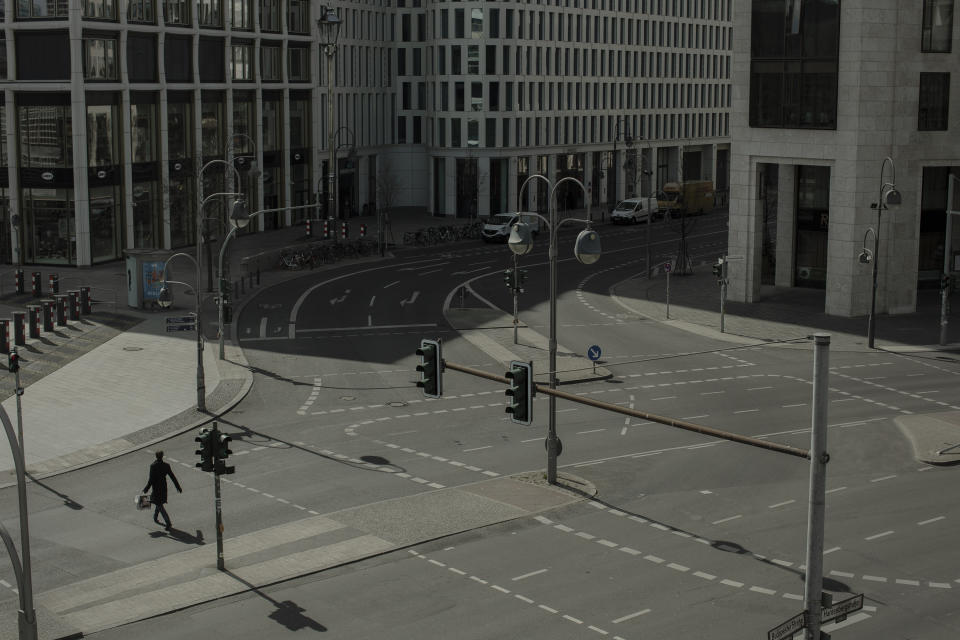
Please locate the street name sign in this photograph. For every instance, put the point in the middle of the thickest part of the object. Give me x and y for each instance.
(788, 628)
(181, 319)
(666, 267)
(838, 612)
(181, 327)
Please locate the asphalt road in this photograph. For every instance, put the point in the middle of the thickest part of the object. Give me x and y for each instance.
(688, 537)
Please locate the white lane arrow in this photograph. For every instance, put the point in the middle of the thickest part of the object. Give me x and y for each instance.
(412, 299)
(334, 301)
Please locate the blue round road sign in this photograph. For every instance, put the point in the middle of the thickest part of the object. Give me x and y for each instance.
(593, 352)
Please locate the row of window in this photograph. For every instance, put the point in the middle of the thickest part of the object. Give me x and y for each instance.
(564, 27)
(565, 130)
(701, 9)
(209, 13)
(562, 61)
(538, 96)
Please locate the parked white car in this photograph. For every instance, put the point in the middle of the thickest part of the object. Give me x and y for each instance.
(634, 210)
(497, 229)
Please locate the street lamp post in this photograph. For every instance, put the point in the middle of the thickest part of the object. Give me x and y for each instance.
(351, 155)
(22, 569)
(329, 26)
(240, 219)
(888, 196)
(587, 251)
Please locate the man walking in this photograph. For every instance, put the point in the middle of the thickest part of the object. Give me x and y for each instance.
(159, 471)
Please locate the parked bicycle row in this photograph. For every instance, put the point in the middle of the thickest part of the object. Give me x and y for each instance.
(325, 252)
(429, 236)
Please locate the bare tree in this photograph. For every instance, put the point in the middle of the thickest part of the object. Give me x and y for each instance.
(388, 191)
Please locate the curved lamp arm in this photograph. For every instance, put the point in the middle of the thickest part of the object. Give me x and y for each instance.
(529, 178)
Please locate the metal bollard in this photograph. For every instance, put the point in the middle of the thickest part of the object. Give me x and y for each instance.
(18, 282)
(33, 320)
(36, 284)
(49, 306)
(73, 304)
(19, 328)
(61, 299)
(86, 303)
(5, 335)
(54, 283)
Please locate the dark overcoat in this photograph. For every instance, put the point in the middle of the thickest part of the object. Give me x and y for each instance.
(159, 471)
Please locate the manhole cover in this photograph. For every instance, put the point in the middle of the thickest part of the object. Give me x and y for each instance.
(348, 397)
(133, 348)
(396, 404)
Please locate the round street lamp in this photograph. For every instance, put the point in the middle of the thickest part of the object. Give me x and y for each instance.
(165, 299)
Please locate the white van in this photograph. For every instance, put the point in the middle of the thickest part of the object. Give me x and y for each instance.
(634, 210)
(498, 228)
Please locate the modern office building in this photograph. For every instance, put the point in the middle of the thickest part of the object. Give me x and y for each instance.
(114, 109)
(836, 103)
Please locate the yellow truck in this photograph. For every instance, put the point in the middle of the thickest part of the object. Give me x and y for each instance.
(695, 196)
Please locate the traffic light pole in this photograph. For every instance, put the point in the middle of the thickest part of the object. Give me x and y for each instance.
(516, 296)
(27, 617)
(215, 438)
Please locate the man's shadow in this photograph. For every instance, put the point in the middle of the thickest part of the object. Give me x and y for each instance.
(180, 536)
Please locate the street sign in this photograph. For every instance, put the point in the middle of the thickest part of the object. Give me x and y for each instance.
(593, 352)
(181, 327)
(838, 612)
(666, 267)
(788, 628)
(181, 319)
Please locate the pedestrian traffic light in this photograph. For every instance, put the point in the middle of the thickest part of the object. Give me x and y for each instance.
(430, 368)
(206, 450)
(13, 361)
(221, 453)
(520, 393)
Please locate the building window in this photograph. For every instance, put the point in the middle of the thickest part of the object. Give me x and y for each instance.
(177, 12)
(241, 63)
(102, 139)
(937, 26)
(41, 9)
(476, 23)
(270, 63)
(143, 131)
(141, 11)
(298, 19)
(178, 59)
(46, 135)
(298, 64)
(793, 74)
(211, 57)
(100, 59)
(270, 15)
(100, 9)
(209, 13)
(242, 15)
(141, 57)
(473, 59)
(934, 101)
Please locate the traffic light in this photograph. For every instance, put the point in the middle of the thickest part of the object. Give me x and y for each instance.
(720, 270)
(206, 450)
(13, 361)
(508, 277)
(430, 368)
(227, 312)
(221, 453)
(945, 282)
(521, 392)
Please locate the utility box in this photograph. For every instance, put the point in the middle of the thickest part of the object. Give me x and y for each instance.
(145, 275)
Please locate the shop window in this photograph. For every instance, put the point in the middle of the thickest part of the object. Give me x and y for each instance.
(299, 122)
(49, 226)
(179, 129)
(934, 101)
(143, 132)
(272, 125)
